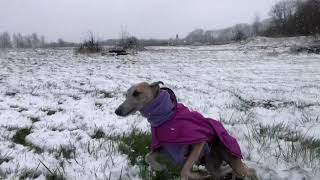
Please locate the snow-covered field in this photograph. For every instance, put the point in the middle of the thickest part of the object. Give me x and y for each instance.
(268, 98)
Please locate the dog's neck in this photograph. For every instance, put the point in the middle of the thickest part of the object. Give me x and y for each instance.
(159, 110)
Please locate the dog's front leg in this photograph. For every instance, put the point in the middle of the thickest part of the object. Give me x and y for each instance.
(186, 172)
(151, 159)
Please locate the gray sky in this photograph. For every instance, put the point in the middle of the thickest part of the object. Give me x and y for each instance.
(72, 19)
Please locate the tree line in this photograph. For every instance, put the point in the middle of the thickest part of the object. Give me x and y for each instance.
(295, 18)
(21, 41)
(33, 40)
(287, 18)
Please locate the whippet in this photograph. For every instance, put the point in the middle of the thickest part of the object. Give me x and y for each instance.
(140, 96)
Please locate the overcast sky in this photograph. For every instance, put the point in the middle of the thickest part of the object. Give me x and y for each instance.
(72, 19)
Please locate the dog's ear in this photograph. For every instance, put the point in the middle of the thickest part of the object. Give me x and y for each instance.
(155, 86)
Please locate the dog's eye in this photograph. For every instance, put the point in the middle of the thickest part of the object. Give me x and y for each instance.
(136, 94)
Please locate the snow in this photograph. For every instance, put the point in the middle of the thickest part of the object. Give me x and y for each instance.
(13, 120)
(213, 80)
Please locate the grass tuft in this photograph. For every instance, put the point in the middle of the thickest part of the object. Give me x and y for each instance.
(29, 174)
(136, 145)
(20, 138)
(67, 153)
(55, 177)
(34, 119)
(290, 146)
(11, 93)
(53, 174)
(98, 105)
(4, 159)
(99, 134)
(104, 94)
(51, 112)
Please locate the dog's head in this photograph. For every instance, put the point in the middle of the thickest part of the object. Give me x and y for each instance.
(137, 97)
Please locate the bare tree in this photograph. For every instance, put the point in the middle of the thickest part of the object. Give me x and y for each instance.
(27, 41)
(5, 40)
(18, 41)
(90, 45)
(61, 42)
(196, 36)
(242, 32)
(35, 41)
(239, 35)
(281, 13)
(129, 42)
(124, 35)
(42, 42)
(308, 17)
(295, 17)
(256, 25)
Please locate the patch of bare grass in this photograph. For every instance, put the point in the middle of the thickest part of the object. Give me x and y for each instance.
(285, 144)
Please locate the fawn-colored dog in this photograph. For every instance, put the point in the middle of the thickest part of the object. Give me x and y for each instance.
(139, 96)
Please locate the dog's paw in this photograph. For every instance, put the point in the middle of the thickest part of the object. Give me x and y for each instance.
(151, 161)
(157, 166)
(224, 171)
(252, 175)
(195, 175)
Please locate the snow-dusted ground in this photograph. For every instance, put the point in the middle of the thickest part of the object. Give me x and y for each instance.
(268, 99)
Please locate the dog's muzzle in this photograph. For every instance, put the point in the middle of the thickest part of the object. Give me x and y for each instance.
(119, 111)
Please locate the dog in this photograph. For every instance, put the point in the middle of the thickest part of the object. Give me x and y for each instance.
(184, 136)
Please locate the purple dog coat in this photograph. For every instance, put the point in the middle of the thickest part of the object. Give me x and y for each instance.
(173, 126)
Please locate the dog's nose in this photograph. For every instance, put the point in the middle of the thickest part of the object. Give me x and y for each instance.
(118, 112)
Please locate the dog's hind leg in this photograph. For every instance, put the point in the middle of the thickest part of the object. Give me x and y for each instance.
(239, 168)
(213, 163)
(217, 171)
(193, 157)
